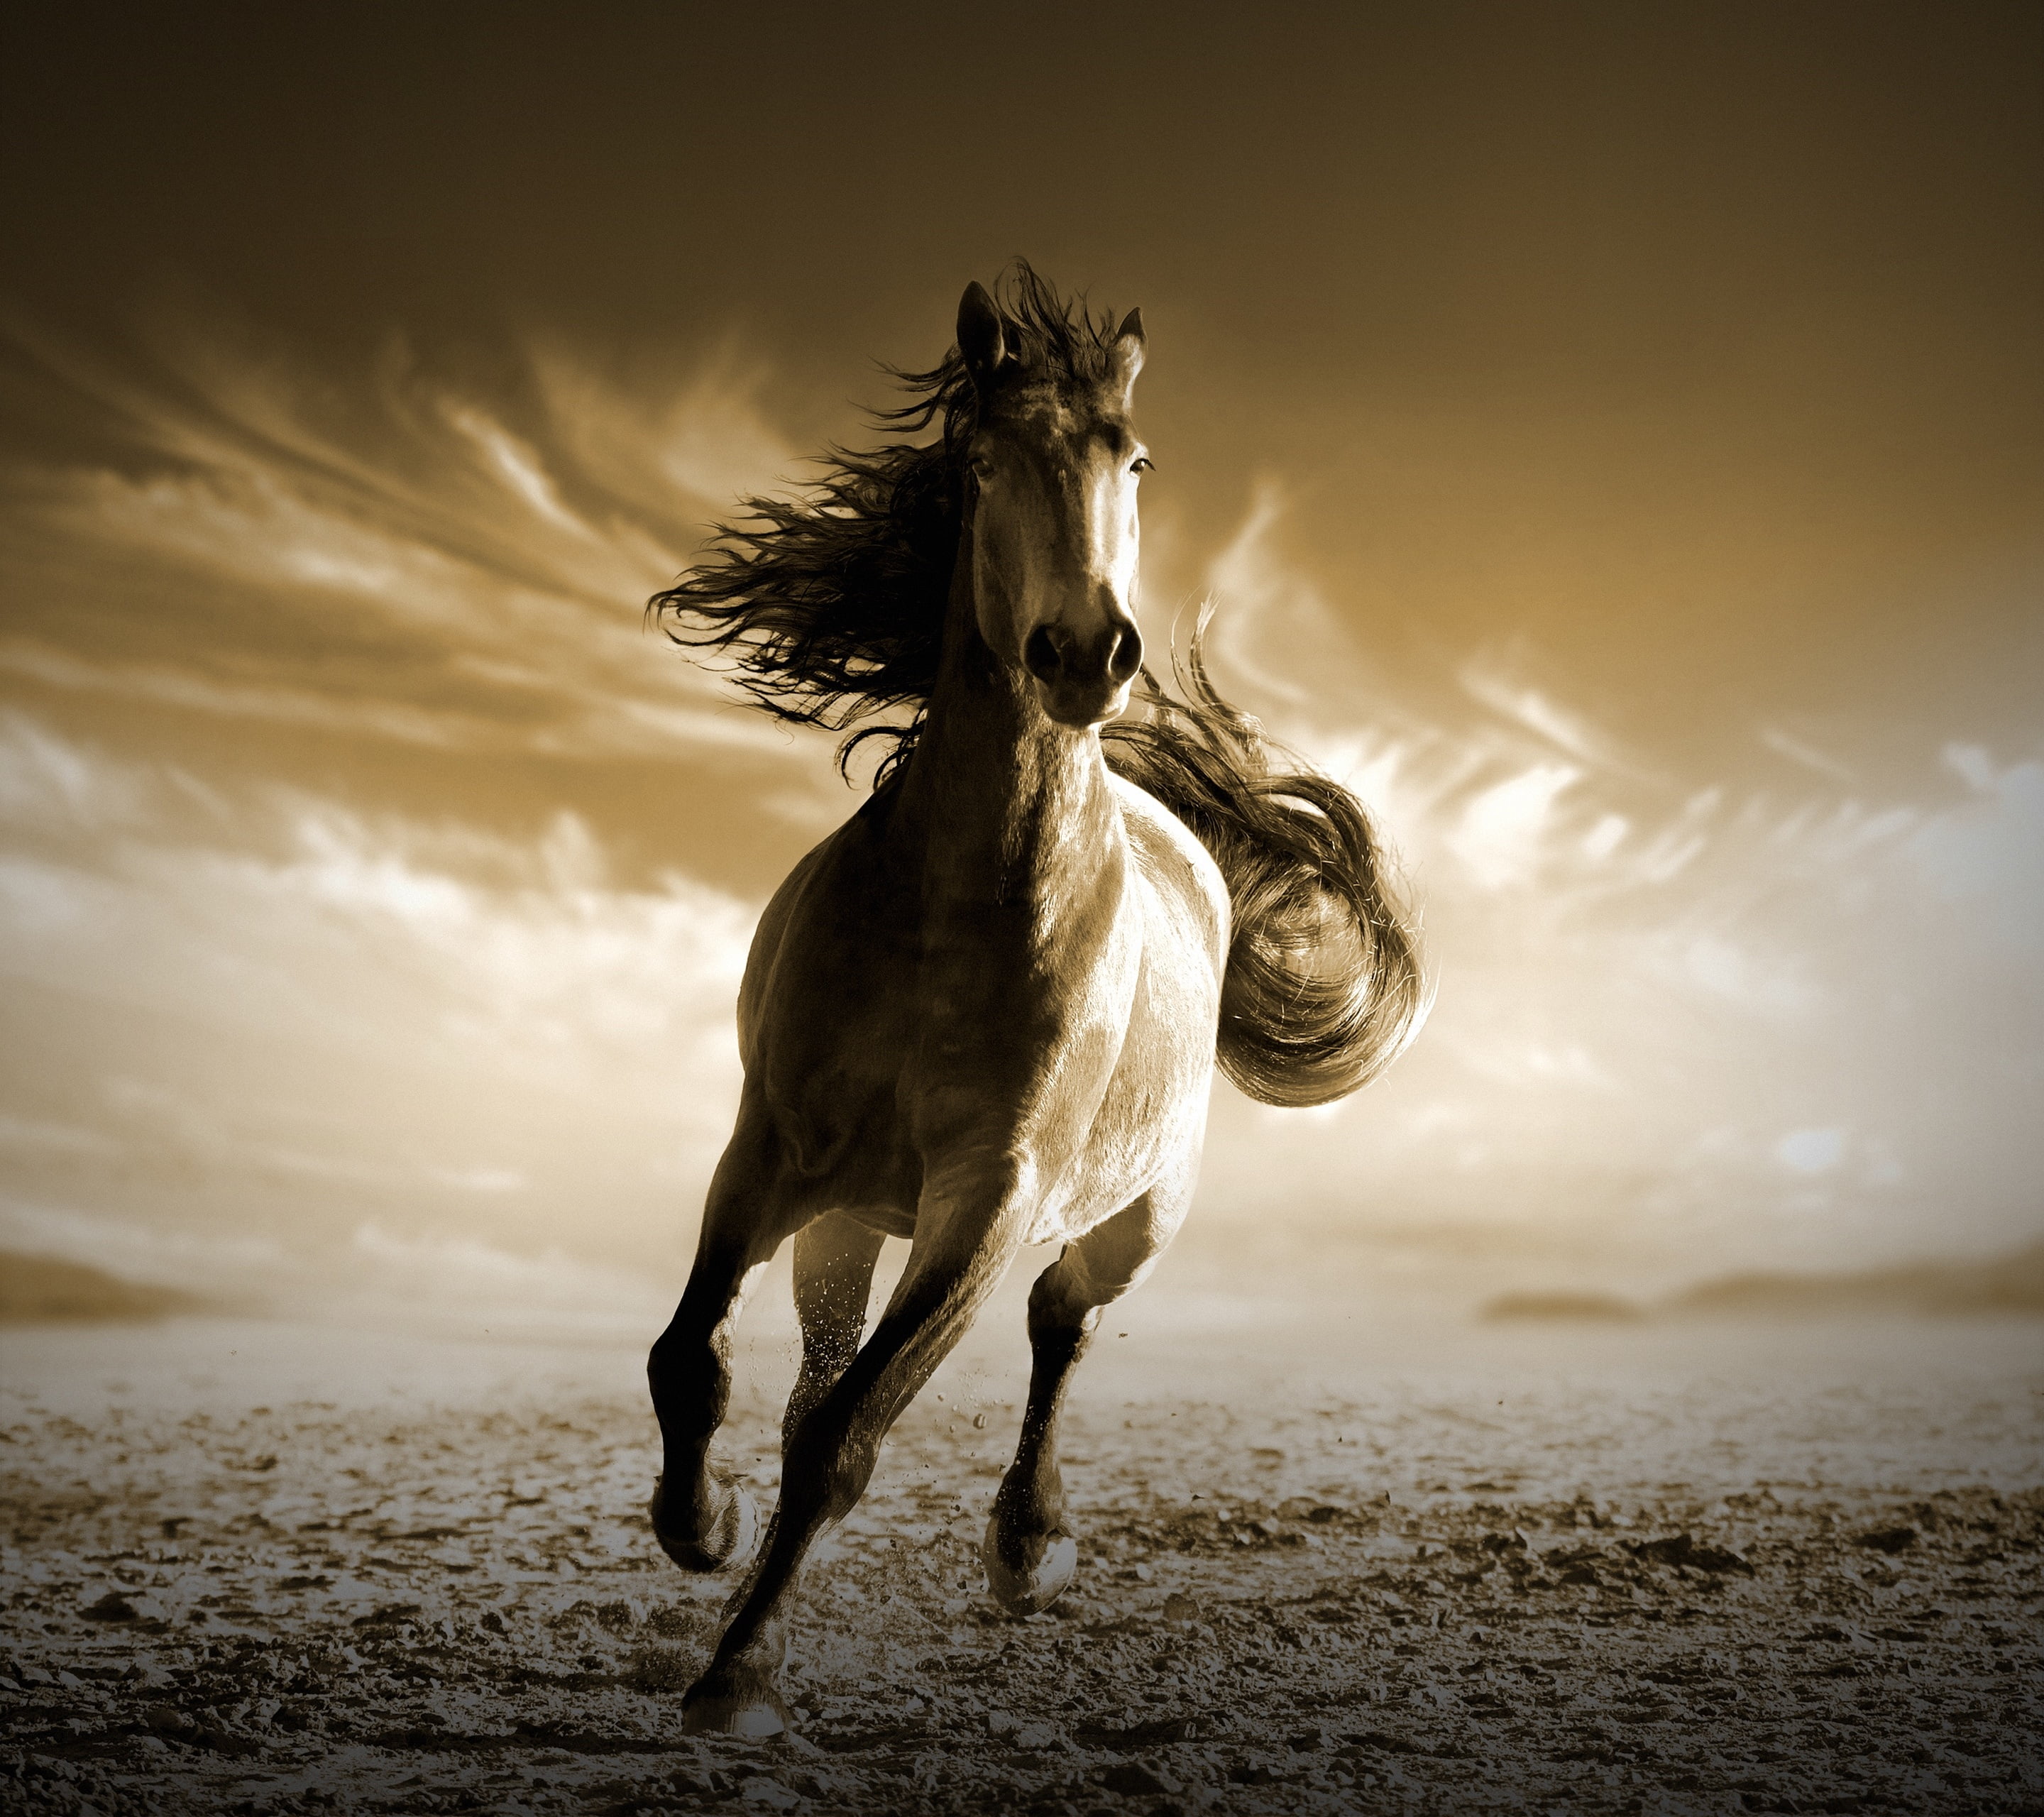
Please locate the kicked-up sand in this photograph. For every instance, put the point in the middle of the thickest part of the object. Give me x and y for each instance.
(1329, 1563)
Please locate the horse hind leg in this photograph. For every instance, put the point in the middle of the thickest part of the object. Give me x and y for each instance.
(835, 1258)
(1031, 1558)
(703, 1519)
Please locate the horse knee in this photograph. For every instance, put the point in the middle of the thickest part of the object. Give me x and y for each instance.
(689, 1380)
(678, 1363)
(664, 1361)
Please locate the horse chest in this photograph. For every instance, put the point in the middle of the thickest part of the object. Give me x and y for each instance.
(1067, 1037)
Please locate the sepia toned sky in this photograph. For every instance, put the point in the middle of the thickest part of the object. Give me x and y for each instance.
(1612, 436)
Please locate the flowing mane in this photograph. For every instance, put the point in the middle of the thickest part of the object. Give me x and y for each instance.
(832, 608)
(832, 605)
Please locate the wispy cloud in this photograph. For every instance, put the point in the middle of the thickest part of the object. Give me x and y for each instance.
(1527, 707)
(1653, 988)
(396, 560)
(1797, 750)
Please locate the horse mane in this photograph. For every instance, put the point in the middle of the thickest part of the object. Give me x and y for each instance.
(831, 606)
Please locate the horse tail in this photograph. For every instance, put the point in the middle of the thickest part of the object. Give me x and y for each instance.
(1323, 987)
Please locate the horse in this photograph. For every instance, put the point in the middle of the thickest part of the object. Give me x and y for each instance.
(985, 1012)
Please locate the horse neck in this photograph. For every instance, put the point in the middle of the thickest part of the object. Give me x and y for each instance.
(1008, 805)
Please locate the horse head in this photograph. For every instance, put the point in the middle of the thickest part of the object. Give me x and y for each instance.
(1052, 472)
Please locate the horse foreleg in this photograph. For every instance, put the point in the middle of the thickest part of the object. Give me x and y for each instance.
(702, 1519)
(828, 1457)
(834, 1263)
(1030, 1557)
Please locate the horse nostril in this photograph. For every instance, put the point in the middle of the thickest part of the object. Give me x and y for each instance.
(1041, 655)
(1125, 656)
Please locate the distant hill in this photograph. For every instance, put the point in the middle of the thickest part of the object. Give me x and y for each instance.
(40, 1289)
(1585, 1308)
(2009, 1283)
(2013, 1283)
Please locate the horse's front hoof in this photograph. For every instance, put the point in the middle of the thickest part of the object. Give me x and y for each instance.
(1031, 1575)
(735, 1700)
(732, 1540)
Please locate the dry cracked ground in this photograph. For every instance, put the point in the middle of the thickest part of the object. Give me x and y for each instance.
(1644, 1573)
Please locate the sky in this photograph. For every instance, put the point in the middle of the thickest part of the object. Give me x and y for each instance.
(1611, 437)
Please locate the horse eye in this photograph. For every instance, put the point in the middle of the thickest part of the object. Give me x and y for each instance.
(1143, 464)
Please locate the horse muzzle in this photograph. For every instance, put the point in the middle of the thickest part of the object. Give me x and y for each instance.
(1083, 680)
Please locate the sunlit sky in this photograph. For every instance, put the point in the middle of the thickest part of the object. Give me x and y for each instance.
(1611, 437)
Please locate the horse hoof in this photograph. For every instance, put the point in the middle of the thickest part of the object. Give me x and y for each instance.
(734, 1700)
(732, 1538)
(1032, 1583)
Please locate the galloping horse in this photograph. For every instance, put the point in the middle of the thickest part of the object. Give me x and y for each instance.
(986, 1011)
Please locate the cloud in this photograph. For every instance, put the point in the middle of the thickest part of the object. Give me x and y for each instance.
(707, 436)
(1502, 831)
(465, 1281)
(1644, 977)
(1811, 1151)
(1989, 849)
(242, 1264)
(393, 560)
(1797, 751)
(1528, 707)
(289, 1002)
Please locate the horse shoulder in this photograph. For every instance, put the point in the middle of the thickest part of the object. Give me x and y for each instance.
(822, 1015)
(768, 939)
(825, 938)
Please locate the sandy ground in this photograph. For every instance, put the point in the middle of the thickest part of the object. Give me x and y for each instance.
(1415, 1568)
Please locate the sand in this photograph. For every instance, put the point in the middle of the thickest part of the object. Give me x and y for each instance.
(1418, 1567)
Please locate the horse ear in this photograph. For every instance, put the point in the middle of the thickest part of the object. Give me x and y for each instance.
(1126, 356)
(979, 336)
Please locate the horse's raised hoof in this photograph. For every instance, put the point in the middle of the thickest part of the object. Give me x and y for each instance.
(732, 1538)
(735, 1700)
(1025, 1578)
